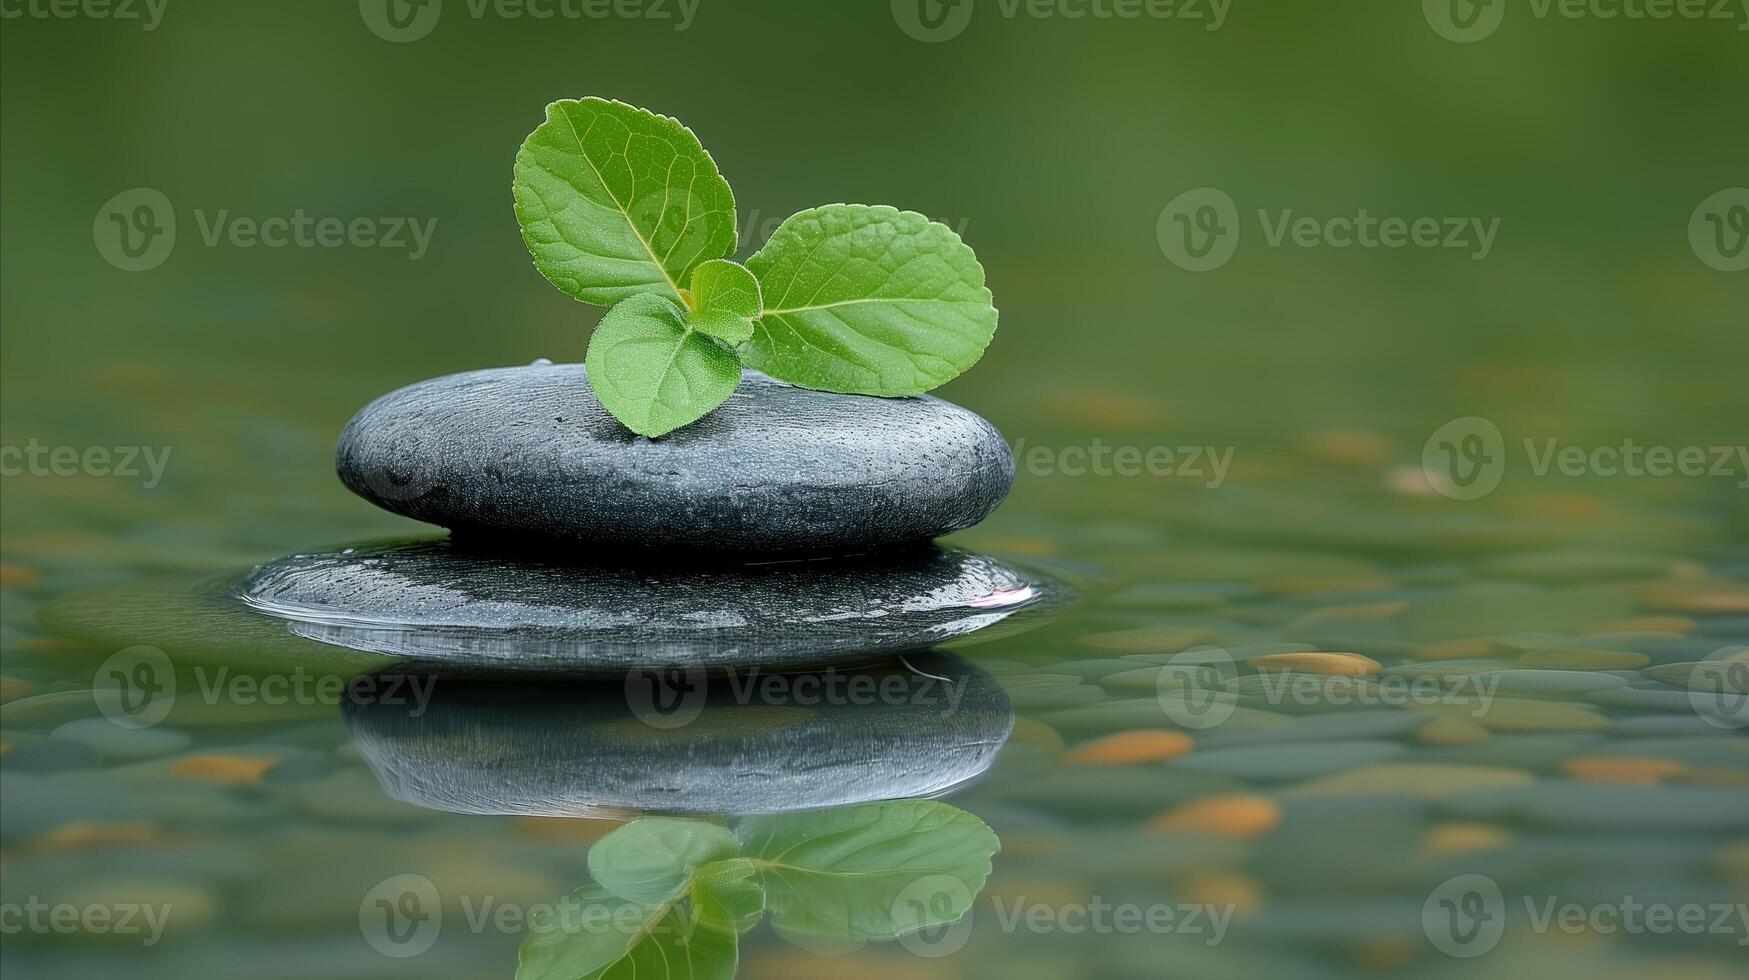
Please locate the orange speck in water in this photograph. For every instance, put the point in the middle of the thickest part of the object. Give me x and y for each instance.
(1645, 624)
(1337, 664)
(225, 770)
(1464, 838)
(1622, 769)
(95, 833)
(1240, 815)
(1131, 748)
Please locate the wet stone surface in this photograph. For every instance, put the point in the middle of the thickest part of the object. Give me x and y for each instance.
(441, 601)
(528, 452)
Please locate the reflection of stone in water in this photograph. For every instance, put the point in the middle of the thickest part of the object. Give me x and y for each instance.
(750, 742)
(439, 600)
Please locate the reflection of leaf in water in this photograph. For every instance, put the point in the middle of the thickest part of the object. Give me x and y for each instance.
(593, 934)
(671, 895)
(729, 892)
(838, 878)
(653, 860)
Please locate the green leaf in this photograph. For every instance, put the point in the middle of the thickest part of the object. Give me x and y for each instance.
(593, 933)
(726, 327)
(653, 371)
(729, 892)
(838, 878)
(615, 201)
(725, 300)
(652, 859)
(868, 300)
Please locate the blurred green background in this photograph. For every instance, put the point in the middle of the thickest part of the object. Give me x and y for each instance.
(1053, 144)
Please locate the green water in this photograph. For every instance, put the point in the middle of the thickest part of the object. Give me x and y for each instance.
(1316, 377)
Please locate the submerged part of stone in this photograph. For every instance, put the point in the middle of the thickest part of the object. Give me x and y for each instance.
(679, 741)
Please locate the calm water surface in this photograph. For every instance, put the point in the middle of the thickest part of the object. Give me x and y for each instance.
(1511, 700)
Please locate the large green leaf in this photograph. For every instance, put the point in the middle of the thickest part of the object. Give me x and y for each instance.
(869, 300)
(725, 300)
(652, 859)
(842, 877)
(593, 933)
(653, 371)
(615, 201)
